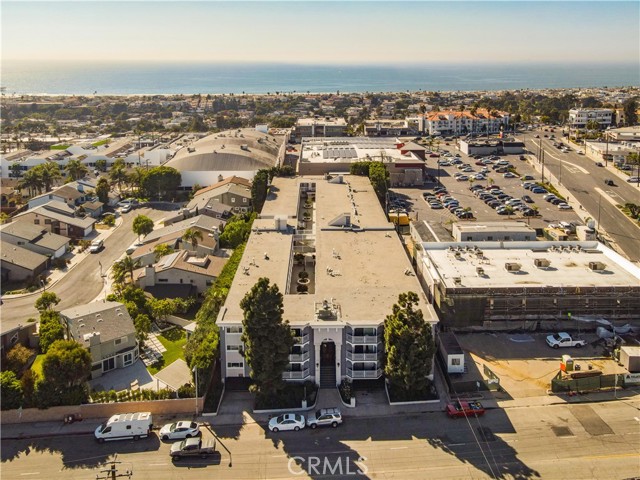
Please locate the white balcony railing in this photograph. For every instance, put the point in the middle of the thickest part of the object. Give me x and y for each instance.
(295, 375)
(364, 373)
(301, 340)
(362, 357)
(299, 357)
(363, 339)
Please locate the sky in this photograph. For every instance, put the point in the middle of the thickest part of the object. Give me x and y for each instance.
(301, 32)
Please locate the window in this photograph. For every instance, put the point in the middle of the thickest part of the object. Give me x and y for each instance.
(117, 341)
(455, 361)
(233, 199)
(233, 348)
(127, 359)
(36, 222)
(163, 280)
(235, 365)
(244, 200)
(469, 238)
(234, 329)
(489, 238)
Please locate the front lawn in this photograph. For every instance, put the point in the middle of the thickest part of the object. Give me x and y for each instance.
(100, 142)
(174, 341)
(36, 367)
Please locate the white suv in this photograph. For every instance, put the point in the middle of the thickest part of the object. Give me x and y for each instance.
(96, 246)
(325, 417)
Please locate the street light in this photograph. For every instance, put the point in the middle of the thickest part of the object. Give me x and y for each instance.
(195, 370)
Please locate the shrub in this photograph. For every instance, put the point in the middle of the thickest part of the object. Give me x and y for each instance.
(109, 220)
(302, 288)
(303, 275)
(346, 390)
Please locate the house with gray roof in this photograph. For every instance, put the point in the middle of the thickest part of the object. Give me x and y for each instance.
(35, 238)
(57, 217)
(19, 264)
(106, 330)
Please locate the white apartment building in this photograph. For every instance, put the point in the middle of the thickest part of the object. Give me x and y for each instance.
(356, 269)
(320, 127)
(579, 117)
(455, 122)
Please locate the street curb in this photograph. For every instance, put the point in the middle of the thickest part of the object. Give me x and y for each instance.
(44, 435)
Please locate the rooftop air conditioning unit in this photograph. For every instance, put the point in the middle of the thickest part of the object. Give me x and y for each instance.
(597, 266)
(480, 271)
(457, 280)
(457, 254)
(541, 262)
(512, 267)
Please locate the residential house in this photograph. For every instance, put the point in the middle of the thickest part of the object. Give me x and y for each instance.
(73, 194)
(35, 238)
(208, 226)
(19, 264)
(58, 217)
(232, 192)
(107, 331)
(11, 195)
(181, 273)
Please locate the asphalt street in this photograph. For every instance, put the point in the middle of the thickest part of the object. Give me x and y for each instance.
(585, 181)
(559, 441)
(83, 283)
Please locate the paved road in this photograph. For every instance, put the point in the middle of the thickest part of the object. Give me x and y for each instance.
(585, 180)
(83, 283)
(558, 441)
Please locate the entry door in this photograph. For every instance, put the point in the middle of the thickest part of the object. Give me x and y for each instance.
(328, 354)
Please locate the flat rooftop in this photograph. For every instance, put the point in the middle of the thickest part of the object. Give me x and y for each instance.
(335, 121)
(494, 227)
(352, 149)
(360, 268)
(568, 265)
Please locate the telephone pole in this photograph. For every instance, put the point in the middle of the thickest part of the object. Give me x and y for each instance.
(112, 472)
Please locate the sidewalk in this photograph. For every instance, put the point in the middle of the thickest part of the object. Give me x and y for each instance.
(56, 275)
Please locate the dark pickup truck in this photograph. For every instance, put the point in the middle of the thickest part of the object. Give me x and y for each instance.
(193, 447)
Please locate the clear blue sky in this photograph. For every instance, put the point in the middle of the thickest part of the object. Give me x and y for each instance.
(320, 33)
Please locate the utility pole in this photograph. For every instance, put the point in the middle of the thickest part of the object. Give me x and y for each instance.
(112, 472)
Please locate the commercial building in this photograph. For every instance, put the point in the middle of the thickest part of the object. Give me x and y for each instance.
(580, 117)
(481, 146)
(239, 152)
(455, 122)
(506, 285)
(404, 161)
(320, 127)
(340, 266)
(493, 232)
(107, 331)
(389, 128)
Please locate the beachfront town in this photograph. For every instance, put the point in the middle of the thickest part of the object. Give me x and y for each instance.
(245, 268)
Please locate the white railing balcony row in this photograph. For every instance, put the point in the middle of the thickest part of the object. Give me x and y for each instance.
(295, 375)
(363, 357)
(363, 339)
(299, 357)
(301, 340)
(358, 374)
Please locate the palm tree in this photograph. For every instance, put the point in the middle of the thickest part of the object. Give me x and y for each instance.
(128, 265)
(118, 273)
(118, 173)
(76, 169)
(32, 181)
(49, 172)
(191, 235)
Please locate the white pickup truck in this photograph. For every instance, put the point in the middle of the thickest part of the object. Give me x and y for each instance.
(563, 339)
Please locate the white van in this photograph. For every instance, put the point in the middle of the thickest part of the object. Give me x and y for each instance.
(124, 426)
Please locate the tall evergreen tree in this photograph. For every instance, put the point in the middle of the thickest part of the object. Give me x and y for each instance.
(409, 347)
(267, 338)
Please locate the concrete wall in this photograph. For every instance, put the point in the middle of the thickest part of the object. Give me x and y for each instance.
(102, 410)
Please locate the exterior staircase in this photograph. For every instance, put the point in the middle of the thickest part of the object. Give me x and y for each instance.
(328, 376)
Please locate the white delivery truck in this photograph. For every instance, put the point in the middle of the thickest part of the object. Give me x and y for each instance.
(124, 426)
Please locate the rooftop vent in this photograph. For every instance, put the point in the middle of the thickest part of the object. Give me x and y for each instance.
(480, 271)
(512, 267)
(597, 266)
(457, 280)
(541, 262)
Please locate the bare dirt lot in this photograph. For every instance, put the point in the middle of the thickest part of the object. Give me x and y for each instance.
(525, 363)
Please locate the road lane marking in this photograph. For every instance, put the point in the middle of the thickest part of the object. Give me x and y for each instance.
(398, 448)
(30, 473)
(157, 464)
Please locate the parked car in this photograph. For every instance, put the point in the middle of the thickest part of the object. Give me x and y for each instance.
(96, 246)
(526, 177)
(522, 157)
(325, 417)
(633, 179)
(125, 426)
(510, 175)
(179, 430)
(563, 339)
(462, 409)
(464, 215)
(193, 447)
(564, 206)
(527, 198)
(538, 190)
(127, 208)
(287, 421)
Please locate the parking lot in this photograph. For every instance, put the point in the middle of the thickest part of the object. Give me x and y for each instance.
(441, 219)
(525, 364)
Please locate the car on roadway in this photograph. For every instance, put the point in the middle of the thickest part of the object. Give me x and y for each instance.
(287, 421)
(96, 246)
(563, 339)
(599, 164)
(325, 417)
(608, 181)
(179, 430)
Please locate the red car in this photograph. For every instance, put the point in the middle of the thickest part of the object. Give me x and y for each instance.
(465, 409)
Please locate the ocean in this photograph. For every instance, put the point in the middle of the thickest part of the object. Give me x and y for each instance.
(138, 78)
